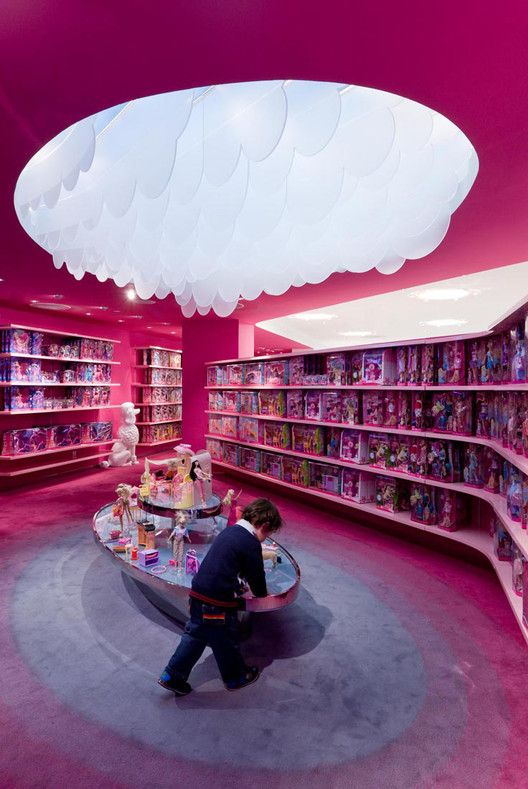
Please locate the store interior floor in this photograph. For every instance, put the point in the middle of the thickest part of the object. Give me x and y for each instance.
(398, 666)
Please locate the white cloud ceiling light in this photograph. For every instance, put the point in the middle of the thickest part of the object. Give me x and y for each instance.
(225, 192)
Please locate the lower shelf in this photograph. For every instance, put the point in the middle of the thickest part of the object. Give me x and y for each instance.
(48, 466)
(24, 455)
(158, 443)
(473, 538)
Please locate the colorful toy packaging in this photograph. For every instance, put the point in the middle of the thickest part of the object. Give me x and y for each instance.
(215, 425)
(473, 467)
(391, 494)
(402, 456)
(354, 446)
(156, 357)
(315, 370)
(215, 375)
(333, 441)
(295, 404)
(390, 408)
(272, 403)
(358, 486)
(231, 401)
(276, 373)
(161, 377)
(230, 426)
(355, 371)
(451, 366)
(234, 374)
(248, 430)
(308, 439)
(427, 364)
(379, 367)
(231, 453)
(503, 544)
(296, 370)
(276, 434)
(418, 452)
(443, 461)
(312, 405)
(336, 369)
(64, 435)
(404, 410)
(414, 365)
(373, 408)
(95, 432)
(378, 450)
(402, 366)
(163, 412)
(514, 496)
(490, 469)
(423, 504)
(296, 471)
(250, 459)
(393, 452)
(331, 406)
(518, 358)
(271, 464)
(325, 477)
(451, 509)
(518, 562)
(421, 416)
(249, 402)
(162, 395)
(253, 373)
(215, 400)
(18, 442)
(350, 409)
(451, 412)
(214, 447)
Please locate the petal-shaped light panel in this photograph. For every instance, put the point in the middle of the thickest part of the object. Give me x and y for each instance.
(224, 192)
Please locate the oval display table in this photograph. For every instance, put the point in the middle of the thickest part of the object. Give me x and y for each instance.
(167, 586)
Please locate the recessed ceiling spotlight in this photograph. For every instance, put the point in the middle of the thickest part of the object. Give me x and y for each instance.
(136, 317)
(357, 334)
(44, 305)
(56, 296)
(313, 316)
(1, 279)
(120, 320)
(88, 313)
(163, 323)
(444, 294)
(99, 307)
(131, 294)
(149, 327)
(441, 322)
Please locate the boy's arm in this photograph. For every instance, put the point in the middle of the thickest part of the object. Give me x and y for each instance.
(254, 573)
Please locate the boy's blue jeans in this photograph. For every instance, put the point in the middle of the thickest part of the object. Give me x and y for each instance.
(221, 635)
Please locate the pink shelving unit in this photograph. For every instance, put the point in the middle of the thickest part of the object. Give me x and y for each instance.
(159, 395)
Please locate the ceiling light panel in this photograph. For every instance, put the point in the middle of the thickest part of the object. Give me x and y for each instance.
(250, 188)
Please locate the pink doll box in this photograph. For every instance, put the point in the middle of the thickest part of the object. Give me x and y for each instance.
(402, 366)
(230, 426)
(378, 450)
(473, 473)
(19, 341)
(418, 457)
(215, 424)
(215, 376)
(503, 544)
(414, 377)
(354, 446)
(373, 408)
(390, 408)
(253, 373)
(514, 496)
(214, 447)
(490, 470)
(421, 415)
(99, 431)
(248, 430)
(325, 477)
(231, 453)
(379, 367)
(231, 401)
(402, 457)
(350, 408)
(518, 356)
(350, 484)
(272, 403)
(427, 364)
(276, 373)
(336, 369)
(308, 439)
(451, 509)
(250, 459)
(404, 410)
(313, 406)
(518, 562)
(393, 452)
(295, 404)
(192, 562)
(333, 441)
(271, 464)
(355, 370)
(451, 363)
(235, 374)
(524, 509)
(276, 434)
(216, 401)
(148, 557)
(391, 494)
(443, 461)
(249, 403)
(331, 406)
(423, 504)
(296, 471)
(296, 370)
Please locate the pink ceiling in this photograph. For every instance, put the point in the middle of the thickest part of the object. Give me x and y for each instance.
(60, 62)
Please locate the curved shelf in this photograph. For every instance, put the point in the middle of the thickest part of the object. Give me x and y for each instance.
(477, 539)
(64, 359)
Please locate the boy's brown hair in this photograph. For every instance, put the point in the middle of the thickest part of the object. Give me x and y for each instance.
(262, 511)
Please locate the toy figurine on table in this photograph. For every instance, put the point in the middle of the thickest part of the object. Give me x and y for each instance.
(198, 477)
(231, 501)
(121, 507)
(177, 539)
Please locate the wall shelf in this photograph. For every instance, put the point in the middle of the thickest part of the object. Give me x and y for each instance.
(63, 359)
(54, 450)
(154, 364)
(49, 466)
(45, 384)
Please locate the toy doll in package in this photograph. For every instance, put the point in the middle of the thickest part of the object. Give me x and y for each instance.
(271, 465)
(350, 484)
(379, 367)
(354, 446)
(423, 504)
(402, 457)
(295, 404)
(249, 402)
(253, 373)
(214, 447)
(250, 459)
(312, 405)
(427, 364)
(514, 496)
(248, 430)
(231, 453)
(378, 450)
(229, 426)
(215, 424)
(451, 367)
(276, 434)
(473, 470)
(308, 439)
(272, 403)
(333, 441)
(483, 415)
(518, 562)
(355, 371)
(393, 452)
(490, 469)
(404, 410)
(296, 370)
(331, 406)
(296, 472)
(231, 401)
(215, 376)
(216, 401)
(373, 408)
(450, 509)
(391, 494)
(235, 374)
(402, 366)
(418, 457)
(414, 365)
(503, 544)
(325, 477)
(336, 369)
(350, 410)
(276, 373)
(390, 408)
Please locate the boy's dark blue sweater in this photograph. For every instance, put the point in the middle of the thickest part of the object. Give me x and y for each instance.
(235, 552)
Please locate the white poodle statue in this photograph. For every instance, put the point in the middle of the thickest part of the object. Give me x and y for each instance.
(124, 449)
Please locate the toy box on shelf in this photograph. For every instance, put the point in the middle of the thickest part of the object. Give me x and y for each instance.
(165, 431)
(271, 464)
(451, 413)
(164, 412)
(296, 471)
(325, 477)
(272, 403)
(159, 357)
(443, 461)
(229, 426)
(214, 447)
(502, 543)
(234, 374)
(248, 430)
(331, 407)
(452, 509)
(308, 439)
(230, 401)
(358, 486)
(231, 453)
(332, 441)
(336, 369)
(276, 434)
(373, 408)
(350, 408)
(313, 406)
(514, 495)
(378, 450)
(315, 373)
(391, 494)
(160, 394)
(418, 451)
(421, 414)
(518, 562)
(296, 371)
(216, 401)
(215, 375)
(163, 377)
(490, 469)
(249, 403)
(354, 446)
(253, 373)
(295, 404)
(276, 373)
(473, 472)
(408, 372)
(404, 410)
(215, 425)
(379, 367)
(15, 398)
(250, 459)
(423, 503)
(451, 362)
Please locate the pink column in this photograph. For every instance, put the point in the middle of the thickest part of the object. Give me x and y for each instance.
(205, 340)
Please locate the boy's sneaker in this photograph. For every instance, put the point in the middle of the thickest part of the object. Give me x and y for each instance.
(177, 686)
(251, 675)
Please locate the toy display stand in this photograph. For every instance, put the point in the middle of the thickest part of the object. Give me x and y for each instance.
(167, 586)
(201, 518)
